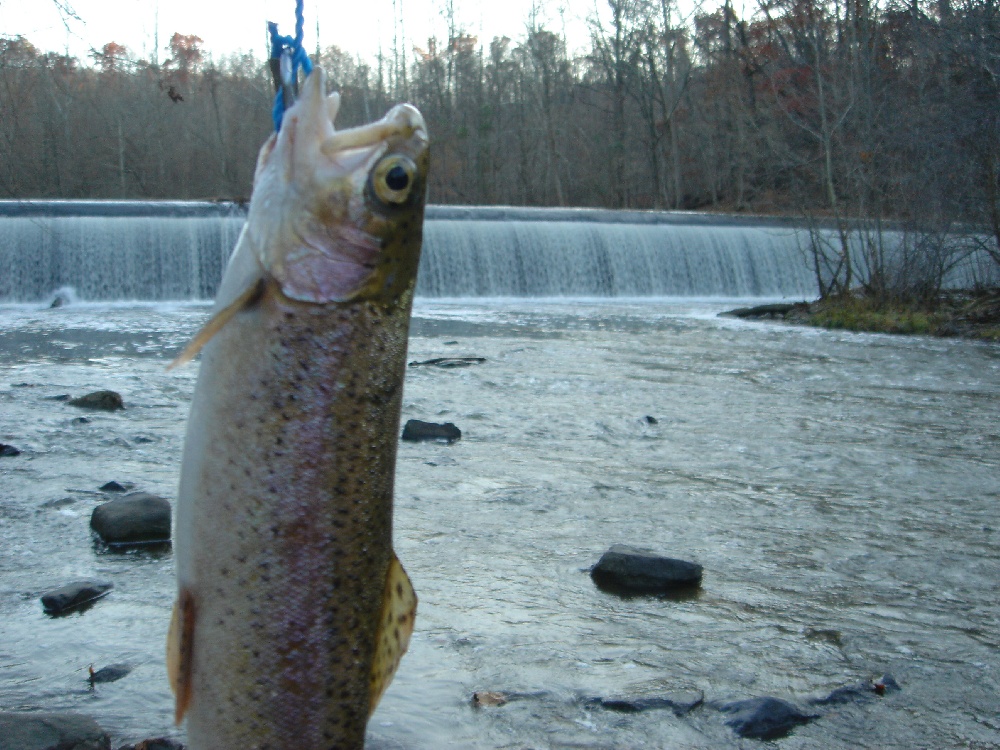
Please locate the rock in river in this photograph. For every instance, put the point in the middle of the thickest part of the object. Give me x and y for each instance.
(110, 673)
(137, 518)
(630, 570)
(414, 430)
(74, 595)
(8, 450)
(46, 731)
(764, 718)
(100, 400)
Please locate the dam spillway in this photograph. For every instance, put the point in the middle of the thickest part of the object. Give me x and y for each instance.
(177, 250)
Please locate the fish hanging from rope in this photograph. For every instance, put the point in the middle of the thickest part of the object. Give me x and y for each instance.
(293, 611)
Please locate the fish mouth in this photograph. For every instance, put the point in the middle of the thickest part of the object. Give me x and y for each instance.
(323, 242)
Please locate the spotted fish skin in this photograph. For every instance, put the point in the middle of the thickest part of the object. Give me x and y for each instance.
(292, 609)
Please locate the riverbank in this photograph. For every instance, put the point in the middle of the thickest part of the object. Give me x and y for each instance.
(965, 314)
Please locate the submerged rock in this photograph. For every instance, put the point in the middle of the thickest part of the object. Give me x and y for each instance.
(137, 518)
(681, 702)
(859, 691)
(100, 400)
(160, 743)
(415, 430)
(449, 362)
(110, 673)
(51, 731)
(73, 595)
(114, 486)
(485, 698)
(764, 718)
(627, 569)
(8, 450)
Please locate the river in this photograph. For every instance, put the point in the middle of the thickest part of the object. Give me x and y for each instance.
(840, 489)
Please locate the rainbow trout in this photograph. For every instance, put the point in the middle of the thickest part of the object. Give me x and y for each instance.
(292, 609)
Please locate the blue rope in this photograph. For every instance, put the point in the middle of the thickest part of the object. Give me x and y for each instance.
(290, 47)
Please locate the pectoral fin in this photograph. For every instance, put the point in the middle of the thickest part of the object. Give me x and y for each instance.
(180, 639)
(399, 610)
(248, 298)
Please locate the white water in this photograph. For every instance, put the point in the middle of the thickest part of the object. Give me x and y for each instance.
(122, 254)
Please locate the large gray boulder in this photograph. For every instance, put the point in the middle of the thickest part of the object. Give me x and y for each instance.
(99, 400)
(51, 731)
(630, 570)
(137, 518)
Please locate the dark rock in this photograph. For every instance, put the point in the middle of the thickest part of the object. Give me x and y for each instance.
(110, 673)
(114, 486)
(8, 450)
(680, 702)
(625, 569)
(73, 595)
(651, 420)
(778, 310)
(79, 420)
(60, 397)
(51, 731)
(450, 362)
(764, 718)
(137, 518)
(416, 430)
(101, 400)
(160, 743)
(858, 692)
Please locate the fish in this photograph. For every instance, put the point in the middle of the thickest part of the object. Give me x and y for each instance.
(292, 609)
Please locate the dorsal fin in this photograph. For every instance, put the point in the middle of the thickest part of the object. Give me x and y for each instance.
(399, 611)
(180, 643)
(246, 299)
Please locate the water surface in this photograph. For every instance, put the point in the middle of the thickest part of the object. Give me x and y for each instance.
(840, 490)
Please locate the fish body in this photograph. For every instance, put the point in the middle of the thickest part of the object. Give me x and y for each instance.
(292, 608)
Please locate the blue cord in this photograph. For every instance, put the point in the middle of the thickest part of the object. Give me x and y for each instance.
(291, 47)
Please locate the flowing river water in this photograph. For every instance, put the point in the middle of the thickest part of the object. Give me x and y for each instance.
(841, 491)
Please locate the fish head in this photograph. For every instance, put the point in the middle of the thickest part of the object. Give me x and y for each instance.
(337, 216)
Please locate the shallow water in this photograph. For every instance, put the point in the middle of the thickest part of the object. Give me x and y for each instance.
(840, 490)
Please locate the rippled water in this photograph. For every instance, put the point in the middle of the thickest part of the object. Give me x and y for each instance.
(841, 491)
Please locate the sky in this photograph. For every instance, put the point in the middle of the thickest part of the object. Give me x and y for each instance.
(228, 26)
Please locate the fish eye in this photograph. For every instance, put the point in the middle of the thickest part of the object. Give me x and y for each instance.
(392, 179)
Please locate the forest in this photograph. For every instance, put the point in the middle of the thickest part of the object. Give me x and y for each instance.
(853, 114)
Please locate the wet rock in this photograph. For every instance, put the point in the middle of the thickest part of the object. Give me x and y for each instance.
(681, 702)
(859, 691)
(74, 595)
(8, 450)
(60, 397)
(51, 731)
(651, 420)
(779, 310)
(79, 420)
(415, 430)
(449, 362)
(764, 718)
(110, 673)
(137, 518)
(100, 400)
(625, 569)
(114, 486)
(160, 743)
(485, 698)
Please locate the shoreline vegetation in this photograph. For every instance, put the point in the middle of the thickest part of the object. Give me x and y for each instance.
(970, 313)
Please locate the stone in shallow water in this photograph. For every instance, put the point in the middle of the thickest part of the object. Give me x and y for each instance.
(630, 570)
(859, 691)
(100, 400)
(415, 430)
(51, 731)
(681, 702)
(764, 718)
(137, 518)
(73, 595)
(110, 673)
(8, 450)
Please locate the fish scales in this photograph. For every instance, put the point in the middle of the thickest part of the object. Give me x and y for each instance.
(291, 602)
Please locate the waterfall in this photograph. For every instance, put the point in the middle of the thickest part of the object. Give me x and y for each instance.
(172, 250)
